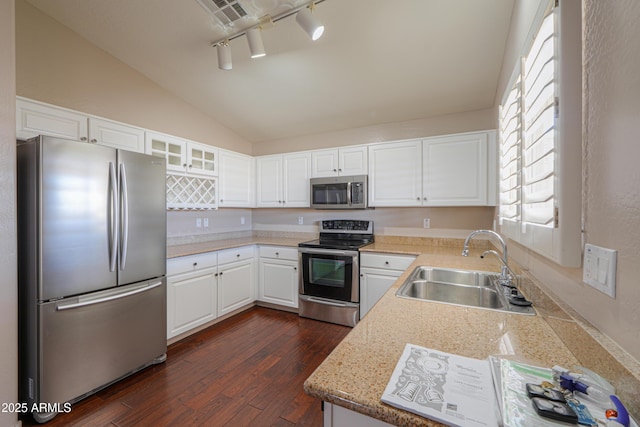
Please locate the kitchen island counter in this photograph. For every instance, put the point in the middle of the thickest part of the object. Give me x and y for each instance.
(356, 373)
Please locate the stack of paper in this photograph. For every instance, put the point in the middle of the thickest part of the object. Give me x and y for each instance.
(448, 388)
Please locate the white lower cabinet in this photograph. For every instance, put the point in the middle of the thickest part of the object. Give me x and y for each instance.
(192, 296)
(337, 416)
(378, 272)
(278, 270)
(236, 279)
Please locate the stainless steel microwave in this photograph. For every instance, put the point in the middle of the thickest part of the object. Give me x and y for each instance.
(339, 192)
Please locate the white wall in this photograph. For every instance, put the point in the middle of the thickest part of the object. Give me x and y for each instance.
(611, 194)
(8, 257)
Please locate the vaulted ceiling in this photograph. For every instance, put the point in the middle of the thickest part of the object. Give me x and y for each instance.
(379, 61)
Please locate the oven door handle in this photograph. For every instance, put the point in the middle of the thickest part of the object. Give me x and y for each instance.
(327, 252)
(326, 302)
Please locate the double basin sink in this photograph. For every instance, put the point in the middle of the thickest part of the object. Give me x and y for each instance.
(460, 287)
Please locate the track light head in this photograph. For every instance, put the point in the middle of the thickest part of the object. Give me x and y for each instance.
(256, 47)
(224, 56)
(309, 23)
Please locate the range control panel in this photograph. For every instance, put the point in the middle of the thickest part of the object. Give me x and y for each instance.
(347, 225)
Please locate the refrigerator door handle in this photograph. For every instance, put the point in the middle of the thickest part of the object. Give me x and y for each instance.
(87, 302)
(125, 216)
(113, 218)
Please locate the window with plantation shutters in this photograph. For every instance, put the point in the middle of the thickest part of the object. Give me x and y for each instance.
(537, 173)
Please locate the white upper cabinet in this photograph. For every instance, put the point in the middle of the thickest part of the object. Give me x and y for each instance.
(283, 180)
(116, 135)
(36, 118)
(183, 155)
(339, 161)
(202, 159)
(237, 184)
(296, 168)
(395, 174)
(456, 170)
(453, 170)
(171, 148)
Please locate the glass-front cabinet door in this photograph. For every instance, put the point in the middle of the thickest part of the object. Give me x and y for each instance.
(169, 147)
(202, 159)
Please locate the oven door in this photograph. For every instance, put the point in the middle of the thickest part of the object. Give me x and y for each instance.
(329, 273)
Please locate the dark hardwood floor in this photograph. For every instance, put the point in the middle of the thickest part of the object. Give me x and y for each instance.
(245, 371)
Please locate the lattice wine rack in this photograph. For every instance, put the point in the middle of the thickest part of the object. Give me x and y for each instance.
(189, 192)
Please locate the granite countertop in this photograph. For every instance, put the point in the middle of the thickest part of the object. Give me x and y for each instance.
(216, 245)
(356, 373)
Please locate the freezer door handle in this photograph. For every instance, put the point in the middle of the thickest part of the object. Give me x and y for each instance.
(113, 218)
(87, 302)
(124, 239)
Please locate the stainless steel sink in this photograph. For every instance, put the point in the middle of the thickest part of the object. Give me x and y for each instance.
(459, 287)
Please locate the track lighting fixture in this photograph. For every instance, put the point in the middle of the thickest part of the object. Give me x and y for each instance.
(309, 23)
(304, 17)
(254, 37)
(224, 55)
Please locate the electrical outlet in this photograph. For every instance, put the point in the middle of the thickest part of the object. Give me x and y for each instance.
(241, 220)
(206, 222)
(300, 220)
(198, 222)
(426, 223)
(599, 269)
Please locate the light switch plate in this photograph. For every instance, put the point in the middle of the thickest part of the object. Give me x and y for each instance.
(599, 269)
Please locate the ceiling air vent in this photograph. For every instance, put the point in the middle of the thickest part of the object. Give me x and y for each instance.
(226, 11)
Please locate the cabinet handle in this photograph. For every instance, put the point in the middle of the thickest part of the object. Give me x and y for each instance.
(184, 165)
(238, 255)
(93, 141)
(386, 263)
(195, 263)
(418, 198)
(424, 198)
(362, 275)
(190, 166)
(335, 170)
(83, 138)
(221, 201)
(215, 275)
(339, 170)
(295, 268)
(277, 253)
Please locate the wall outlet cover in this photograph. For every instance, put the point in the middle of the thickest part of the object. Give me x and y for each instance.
(426, 223)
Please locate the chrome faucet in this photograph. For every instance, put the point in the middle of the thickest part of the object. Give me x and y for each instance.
(506, 275)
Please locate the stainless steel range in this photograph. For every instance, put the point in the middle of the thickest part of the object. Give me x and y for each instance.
(329, 271)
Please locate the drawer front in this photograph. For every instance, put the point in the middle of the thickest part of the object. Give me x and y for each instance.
(235, 254)
(279, 252)
(185, 264)
(386, 261)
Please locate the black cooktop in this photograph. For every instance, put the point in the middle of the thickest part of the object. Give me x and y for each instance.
(342, 234)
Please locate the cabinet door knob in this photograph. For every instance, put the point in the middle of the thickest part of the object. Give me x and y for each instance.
(386, 263)
(424, 198)
(295, 268)
(221, 201)
(83, 138)
(339, 170)
(93, 141)
(335, 170)
(277, 253)
(195, 263)
(221, 273)
(238, 255)
(418, 198)
(184, 165)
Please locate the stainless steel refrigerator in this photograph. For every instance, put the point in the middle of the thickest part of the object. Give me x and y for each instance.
(91, 268)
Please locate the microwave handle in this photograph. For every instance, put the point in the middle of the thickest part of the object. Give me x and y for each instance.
(349, 193)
